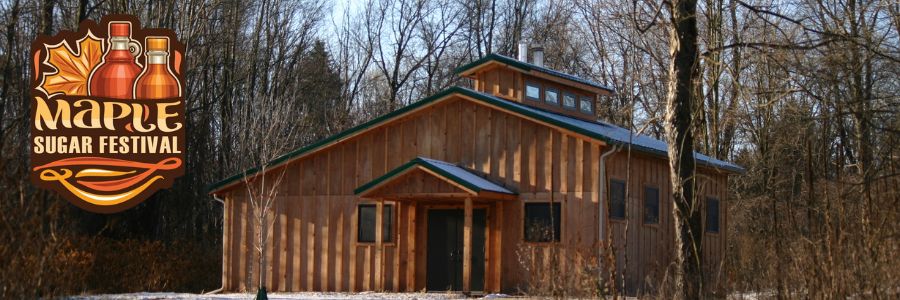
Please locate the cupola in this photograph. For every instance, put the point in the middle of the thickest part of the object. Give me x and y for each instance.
(533, 84)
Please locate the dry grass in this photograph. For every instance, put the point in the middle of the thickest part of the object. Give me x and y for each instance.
(559, 272)
(68, 266)
(843, 246)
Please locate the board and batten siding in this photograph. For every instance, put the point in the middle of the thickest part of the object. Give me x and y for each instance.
(646, 250)
(313, 244)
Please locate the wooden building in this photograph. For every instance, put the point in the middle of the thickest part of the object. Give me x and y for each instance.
(445, 193)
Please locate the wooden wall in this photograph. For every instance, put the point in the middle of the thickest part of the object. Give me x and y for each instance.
(501, 82)
(644, 251)
(313, 240)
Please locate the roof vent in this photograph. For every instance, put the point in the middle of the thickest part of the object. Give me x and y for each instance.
(523, 52)
(538, 55)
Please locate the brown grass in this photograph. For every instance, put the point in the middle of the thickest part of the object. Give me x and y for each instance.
(89, 265)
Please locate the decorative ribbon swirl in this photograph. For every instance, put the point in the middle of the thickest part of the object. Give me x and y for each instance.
(106, 185)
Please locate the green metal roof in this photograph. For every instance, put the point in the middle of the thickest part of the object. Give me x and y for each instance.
(452, 172)
(602, 131)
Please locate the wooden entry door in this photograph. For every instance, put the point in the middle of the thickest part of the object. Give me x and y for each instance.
(444, 265)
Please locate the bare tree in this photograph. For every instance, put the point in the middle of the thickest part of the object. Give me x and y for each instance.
(402, 37)
(263, 121)
(801, 93)
(683, 77)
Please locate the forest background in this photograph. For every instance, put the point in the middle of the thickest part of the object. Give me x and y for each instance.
(804, 94)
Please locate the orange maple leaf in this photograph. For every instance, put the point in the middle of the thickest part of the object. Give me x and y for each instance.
(72, 68)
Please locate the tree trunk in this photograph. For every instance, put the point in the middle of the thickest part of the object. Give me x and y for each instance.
(47, 17)
(82, 10)
(263, 234)
(683, 75)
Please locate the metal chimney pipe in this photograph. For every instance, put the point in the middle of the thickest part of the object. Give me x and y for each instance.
(538, 56)
(523, 52)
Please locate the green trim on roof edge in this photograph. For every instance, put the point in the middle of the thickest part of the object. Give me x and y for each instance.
(490, 57)
(420, 162)
(386, 176)
(517, 108)
(287, 156)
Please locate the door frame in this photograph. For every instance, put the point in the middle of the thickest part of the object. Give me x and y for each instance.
(489, 212)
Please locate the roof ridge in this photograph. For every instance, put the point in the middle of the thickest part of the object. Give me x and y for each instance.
(527, 65)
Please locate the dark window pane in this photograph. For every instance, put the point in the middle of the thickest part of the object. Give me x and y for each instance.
(367, 217)
(616, 199)
(542, 222)
(367, 223)
(651, 205)
(712, 215)
(387, 228)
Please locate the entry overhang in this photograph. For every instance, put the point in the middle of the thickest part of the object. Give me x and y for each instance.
(454, 182)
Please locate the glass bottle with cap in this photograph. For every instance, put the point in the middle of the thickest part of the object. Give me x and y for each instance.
(157, 81)
(115, 76)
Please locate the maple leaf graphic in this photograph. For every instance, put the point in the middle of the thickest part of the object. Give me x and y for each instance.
(72, 69)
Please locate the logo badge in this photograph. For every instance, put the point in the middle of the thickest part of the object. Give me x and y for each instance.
(107, 113)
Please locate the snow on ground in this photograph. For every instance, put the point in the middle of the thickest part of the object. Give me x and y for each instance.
(285, 296)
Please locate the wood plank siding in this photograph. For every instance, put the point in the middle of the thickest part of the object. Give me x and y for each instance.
(313, 244)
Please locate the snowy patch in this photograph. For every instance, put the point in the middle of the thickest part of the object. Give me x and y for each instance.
(285, 296)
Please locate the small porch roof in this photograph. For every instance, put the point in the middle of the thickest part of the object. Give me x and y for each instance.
(467, 181)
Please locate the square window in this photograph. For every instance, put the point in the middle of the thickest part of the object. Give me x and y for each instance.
(569, 100)
(542, 222)
(587, 105)
(651, 205)
(551, 95)
(532, 91)
(616, 199)
(712, 214)
(366, 224)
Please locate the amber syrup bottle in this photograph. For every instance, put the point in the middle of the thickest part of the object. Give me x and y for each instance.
(157, 81)
(115, 76)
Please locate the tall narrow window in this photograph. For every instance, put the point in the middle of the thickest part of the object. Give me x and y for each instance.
(542, 222)
(616, 199)
(551, 96)
(532, 91)
(569, 100)
(587, 105)
(651, 205)
(366, 225)
(712, 214)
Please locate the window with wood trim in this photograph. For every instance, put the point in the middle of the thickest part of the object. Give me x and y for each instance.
(542, 222)
(712, 214)
(616, 199)
(551, 96)
(651, 205)
(587, 104)
(532, 91)
(366, 224)
(569, 100)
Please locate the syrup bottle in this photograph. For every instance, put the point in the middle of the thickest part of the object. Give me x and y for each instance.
(115, 76)
(157, 81)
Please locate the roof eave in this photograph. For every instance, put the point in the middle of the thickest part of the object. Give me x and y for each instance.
(297, 153)
(419, 163)
(485, 99)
